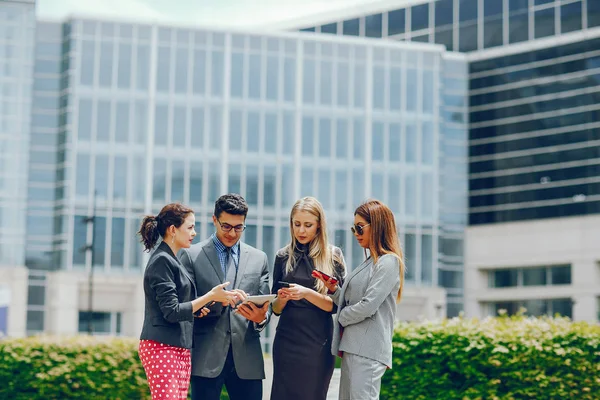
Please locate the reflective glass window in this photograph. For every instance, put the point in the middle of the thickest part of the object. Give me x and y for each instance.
(518, 5)
(163, 69)
(324, 191)
(444, 12)
(308, 81)
(342, 138)
(218, 68)
(139, 178)
(492, 32)
(271, 136)
(181, 70)
(124, 66)
(177, 181)
(272, 77)
(359, 138)
(117, 245)
(410, 253)
(397, 22)
(358, 184)
(79, 239)
(215, 132)
(253, 132)
(395, 137)
(103, 121)
(468, 37)
(82, 172)
(351, 27)
(142, 67)
(340, 190)
(235, 178)
(324, 136)
(544, 23)
(255, 76)
(84, 128)
(196, 179)
(518, 30)
(593, 13)
(343, 77)
(289, 79)
(122, 122)
(378, 144)
(197, 128)
(426, 259)
(101, 179)
(329, 28)
(159, 180)
(395, 87)
(120, 178)
(252, 177)
(307, 136)
(99, 241)
(289, 132)
(199, 72)
(570, 17)
(373, 25)
(410, 193)
(467, 10)
(326, 82)
(161, 124)
(214, 181)
(179, 126)
(360, 77)
(287, 186)
(419, 17)
(411, 92)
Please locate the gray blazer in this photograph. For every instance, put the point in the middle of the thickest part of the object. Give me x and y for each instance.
(367, 310)
(212, 336)
(169, 291)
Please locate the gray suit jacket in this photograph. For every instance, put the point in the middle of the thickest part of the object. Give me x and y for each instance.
(367, 310)
(212, 333)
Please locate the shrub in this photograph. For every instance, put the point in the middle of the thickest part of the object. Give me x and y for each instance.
(497, 358)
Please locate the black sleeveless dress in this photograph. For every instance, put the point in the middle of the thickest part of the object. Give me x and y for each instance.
(302, 360)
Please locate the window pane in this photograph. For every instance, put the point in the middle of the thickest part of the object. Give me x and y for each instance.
(359, 135)
(117, 247)
(308, 82)
(177, 181)
(101, 180)
(84, 128)
(179, 126)
(373, 24)
(341, 139)
(199, 72)
(419, 17)
(351, 27)
(534, 276)
(196, 182)
(427, 195)
(255, 76)
(394, 147)
(287, 186)
(411, 143)
(140, 122)
(120, 178)
(99, 241)
(159, 180)
(492, 33)
(235, 130)
(139, 178)
(181, 70)
(216, 115)
(269, 186)
(289, 76)
(444, 12)
(237, 75)
(122, 122)
(410, 255)
(358, 182)
(324, 188)
(142, 67)
(395, 88)
(197, 128)
(306, 182)
(340, 189)
(492, 7)
(562, 307)
(324, 137)
(570, 17)
(504, 278)
(359, 85)
(307, 136)
(217, 73)
(251, 184)
(88, 51)
(396, 22)
(162, 69)
(468, 37)
(272, 77)
(253, 134)
(124, 67)
(561, 275)
(544, 23)
(426, 259)
(326, 83)
(378, 87)
(428, 144)
(235, 178)
(467, 10)
(214, 181)
(271, 136)
(329, 28)
(161, 124)
(518, 28)
(378, 145)
(411, 83)
(79, 240)
(410, 194)
(289, 132)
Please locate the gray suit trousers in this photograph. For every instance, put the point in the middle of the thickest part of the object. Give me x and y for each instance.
(360, 378)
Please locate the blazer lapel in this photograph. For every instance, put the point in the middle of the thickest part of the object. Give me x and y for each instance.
(244, 256)
(352, 275)
(213, 258)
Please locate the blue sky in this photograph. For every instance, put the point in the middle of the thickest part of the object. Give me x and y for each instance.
(216, 13)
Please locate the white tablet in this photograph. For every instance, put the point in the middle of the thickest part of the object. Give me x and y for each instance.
(260, 300)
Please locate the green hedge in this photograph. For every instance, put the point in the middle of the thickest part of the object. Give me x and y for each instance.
(497, 358)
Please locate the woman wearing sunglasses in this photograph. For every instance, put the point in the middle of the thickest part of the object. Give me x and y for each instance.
(302, 359)
(364, 323)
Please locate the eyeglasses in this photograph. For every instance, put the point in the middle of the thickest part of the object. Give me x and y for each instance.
(358, 229)
(227, 227)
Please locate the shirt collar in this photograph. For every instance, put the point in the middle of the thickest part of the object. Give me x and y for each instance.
(221, 248)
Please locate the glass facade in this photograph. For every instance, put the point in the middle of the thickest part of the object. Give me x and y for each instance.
(135, 116)
(535, 137)
(17, 27)
(471, 25)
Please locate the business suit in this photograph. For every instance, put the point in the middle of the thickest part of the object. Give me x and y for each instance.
(224, 338)
(366, 313)
(166, 335)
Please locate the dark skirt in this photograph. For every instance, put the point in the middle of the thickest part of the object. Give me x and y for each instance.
(302, 360)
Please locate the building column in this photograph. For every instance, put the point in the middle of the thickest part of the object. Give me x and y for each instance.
(585, 277)
(15, 287)
(62, 303)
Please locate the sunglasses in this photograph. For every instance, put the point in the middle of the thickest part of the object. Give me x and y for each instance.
(358, 229)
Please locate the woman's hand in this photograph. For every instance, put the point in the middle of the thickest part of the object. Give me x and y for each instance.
(294, 292)
(225, 297)
(203, 312)
(330, 283)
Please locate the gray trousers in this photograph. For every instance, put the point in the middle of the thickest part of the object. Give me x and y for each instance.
(360, 378)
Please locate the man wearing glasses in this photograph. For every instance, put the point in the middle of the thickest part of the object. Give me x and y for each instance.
(227, 348)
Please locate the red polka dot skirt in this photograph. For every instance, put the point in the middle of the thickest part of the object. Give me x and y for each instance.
(167, 368)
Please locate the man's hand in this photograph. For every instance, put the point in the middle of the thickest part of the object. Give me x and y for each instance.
(252, 312)
(202, 313)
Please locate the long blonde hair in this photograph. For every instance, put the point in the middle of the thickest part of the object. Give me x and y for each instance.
(383, 236)
(319, 250)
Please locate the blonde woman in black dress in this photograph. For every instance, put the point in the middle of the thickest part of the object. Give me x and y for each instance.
(302, 359)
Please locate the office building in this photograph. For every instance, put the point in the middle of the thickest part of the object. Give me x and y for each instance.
(17, 28)
(132, 116)
(534, 154)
